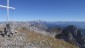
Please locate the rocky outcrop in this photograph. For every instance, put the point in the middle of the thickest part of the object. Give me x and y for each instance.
(39, 25)
(7, 31)
(72, 34)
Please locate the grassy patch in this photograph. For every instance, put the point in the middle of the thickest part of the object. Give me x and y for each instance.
(44, 41)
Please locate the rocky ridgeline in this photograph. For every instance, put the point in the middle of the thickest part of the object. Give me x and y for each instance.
(32, 26)
(70, 34)
(9, 38)
(12, 39)
(20, 40)
(73, 35)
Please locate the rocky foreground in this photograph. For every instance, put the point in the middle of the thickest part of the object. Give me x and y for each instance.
(39, 35)
(30, 39)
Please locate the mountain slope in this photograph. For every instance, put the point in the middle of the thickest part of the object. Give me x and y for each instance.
(42, 41)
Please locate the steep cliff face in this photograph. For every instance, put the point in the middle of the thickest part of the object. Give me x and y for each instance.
(72, 34)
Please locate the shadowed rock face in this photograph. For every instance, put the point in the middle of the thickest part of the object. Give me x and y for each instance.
(72, 34)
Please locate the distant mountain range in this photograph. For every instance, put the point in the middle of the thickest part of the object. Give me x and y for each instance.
(80, 25)
(61, 24)
(44, 25)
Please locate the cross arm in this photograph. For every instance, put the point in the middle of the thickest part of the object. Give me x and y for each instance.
(7, 7)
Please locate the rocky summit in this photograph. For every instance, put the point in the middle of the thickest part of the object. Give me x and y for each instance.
(27, 36)
(32, 40)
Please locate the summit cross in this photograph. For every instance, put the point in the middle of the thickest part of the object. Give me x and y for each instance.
(8, 7)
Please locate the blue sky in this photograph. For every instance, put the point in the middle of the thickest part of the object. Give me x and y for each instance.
(46, 10)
